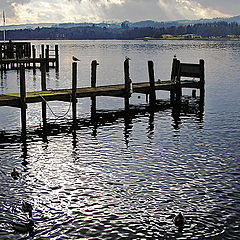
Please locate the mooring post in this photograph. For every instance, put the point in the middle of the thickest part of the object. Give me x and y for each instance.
(42, 51)
(74, 97)
(93, 84)
(47, 57)
(34, 58)
(127, 84)
(57, 58)
(44, 88)
(173, 79)
(178, 83)
(152, 97)
(23, 102)
(202, 80)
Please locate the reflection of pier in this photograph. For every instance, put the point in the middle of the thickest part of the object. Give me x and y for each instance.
(16, 54)
(174, 86)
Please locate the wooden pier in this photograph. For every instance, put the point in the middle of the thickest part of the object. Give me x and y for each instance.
(125, 90)
(14, 54)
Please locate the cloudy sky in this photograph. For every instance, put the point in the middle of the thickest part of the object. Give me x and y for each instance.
(52, 11)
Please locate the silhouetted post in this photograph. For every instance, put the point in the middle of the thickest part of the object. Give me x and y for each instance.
(74, 97)
(178, 83)
(34, 58)
(152, 93)
(202, 80)
(57, 57)
(23, 102)
(93, 84)
(44, 88)
(194, 95)
(42, 51)
(173, 78)
(47, 58)
(127, 84)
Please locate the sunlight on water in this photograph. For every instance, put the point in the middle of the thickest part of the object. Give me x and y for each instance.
(125, 178)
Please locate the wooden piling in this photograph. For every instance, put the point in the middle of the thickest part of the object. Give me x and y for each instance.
(127, 84)
(74, 89)
(202, 80)
(93, 84)
(178, 83)
(173, 79)
(47, 57)
(44, 88)
(42, 51)
(57, 57)
(34, 57)
(23, 102)
(152, 97)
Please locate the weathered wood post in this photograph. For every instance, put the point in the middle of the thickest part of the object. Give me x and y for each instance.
(173, 78)
(152, 92)
(44, 88)
(34, 58)
(127, 84)
(47, 57)
(178, 83)
(202, 80)
(74, 97)
(23, 102)
(93, 84)
(42, 51)
(57, 57)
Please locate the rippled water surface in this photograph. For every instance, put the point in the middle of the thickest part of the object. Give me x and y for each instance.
(126, 179)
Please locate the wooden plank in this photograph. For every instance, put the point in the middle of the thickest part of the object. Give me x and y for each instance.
(190, 70)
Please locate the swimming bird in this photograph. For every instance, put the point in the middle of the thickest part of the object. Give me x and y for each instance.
(75, 59)
(27, 207)
(15, 174)
(179, 221)
(23, 227)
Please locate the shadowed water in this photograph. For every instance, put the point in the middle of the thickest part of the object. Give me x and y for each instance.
(126, 178)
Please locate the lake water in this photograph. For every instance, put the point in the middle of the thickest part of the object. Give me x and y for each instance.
(126, 180)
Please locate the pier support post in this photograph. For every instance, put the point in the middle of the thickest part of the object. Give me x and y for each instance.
(173, 79)
(152, 92)
(202, 80)
(127, 84)
(23, 102)
(178, 83)
(44, 88)
(34, 57)
(57, 58)
(93, 84)
(74, 97)
(42, 51)
(47, 58)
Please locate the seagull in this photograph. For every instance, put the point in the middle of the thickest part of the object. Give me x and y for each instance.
(175, 56)
(75, 59)
(127, 58)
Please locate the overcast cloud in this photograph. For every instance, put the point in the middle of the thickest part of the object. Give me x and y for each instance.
(36, 11)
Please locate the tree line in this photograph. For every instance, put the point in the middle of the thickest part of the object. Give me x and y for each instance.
(205, 30)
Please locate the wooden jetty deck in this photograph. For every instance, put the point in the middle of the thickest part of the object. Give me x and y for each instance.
(110, 90)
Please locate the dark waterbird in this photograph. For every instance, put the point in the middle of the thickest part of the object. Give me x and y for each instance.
(23, 227)
(27, 207)
(75, 59)
(179, 221)
(15, 174)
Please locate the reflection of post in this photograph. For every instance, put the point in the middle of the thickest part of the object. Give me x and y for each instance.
(23, 102)
(44, 88)
(127, 84)
(152, 96)
(74, 97)
(93, 84)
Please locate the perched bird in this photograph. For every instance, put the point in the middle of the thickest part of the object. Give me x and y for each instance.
(27, 207)
(15, 174)
(75, 59)
(23, 227)
(179, 221)
(175, 56)
(127, 58)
